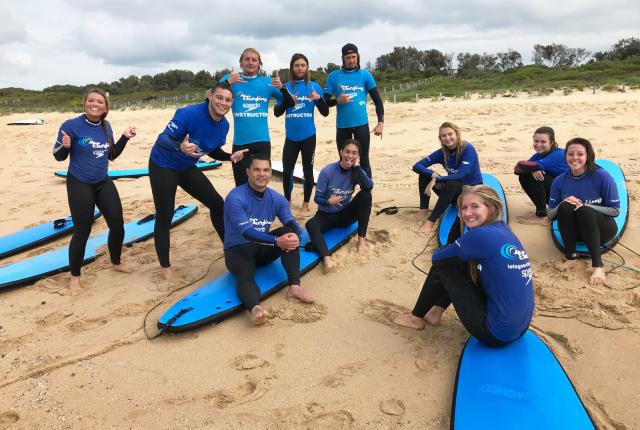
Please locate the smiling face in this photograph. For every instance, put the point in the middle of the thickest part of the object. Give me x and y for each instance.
(95, 106)
(250, 62)
(220, 101)
(349, 155)
(448, 138)
(541, 143)
(474, 212)
(576, 156)
(259, 174)
(300, 68)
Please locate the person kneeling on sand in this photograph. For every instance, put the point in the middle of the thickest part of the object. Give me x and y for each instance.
(485, 273)
(249, 211)
(336, 208)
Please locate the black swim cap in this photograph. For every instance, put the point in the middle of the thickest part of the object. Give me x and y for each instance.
(349, 48)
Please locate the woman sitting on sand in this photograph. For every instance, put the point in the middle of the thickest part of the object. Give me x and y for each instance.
(88, 141)
(585, 201)
(460, 160)
(336, 184)
(537, 174)
(486, 274)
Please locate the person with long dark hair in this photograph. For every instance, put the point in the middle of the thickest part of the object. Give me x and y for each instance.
(88, 141)
(585, 202)
(300, 127)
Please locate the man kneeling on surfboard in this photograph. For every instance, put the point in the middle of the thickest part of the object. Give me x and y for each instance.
(249, 211)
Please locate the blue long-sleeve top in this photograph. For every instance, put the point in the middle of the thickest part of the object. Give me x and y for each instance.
(505, 274)
(467, 169)
(248, 215)
(552, 163)
(336, 181)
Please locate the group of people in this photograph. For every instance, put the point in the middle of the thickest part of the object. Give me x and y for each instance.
(489, 285)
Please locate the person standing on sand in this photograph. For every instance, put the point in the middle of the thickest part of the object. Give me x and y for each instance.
(350, 86)
(251, 95)
(249, 211)
(300, 127)
(585, 202)
(195, 130)
(88, 141)
(485, 274)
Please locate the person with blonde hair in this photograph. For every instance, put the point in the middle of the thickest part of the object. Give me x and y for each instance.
(88, 142)
(251, 95)
(460, 159)
(485, 274)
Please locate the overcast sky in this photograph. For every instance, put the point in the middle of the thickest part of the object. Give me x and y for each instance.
(79, 42)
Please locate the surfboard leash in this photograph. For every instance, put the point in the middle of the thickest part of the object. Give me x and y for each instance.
(413, 262)
(392, 210)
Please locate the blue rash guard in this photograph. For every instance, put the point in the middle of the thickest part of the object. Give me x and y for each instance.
(196, 121)
(89, 152)
(597, 189)
(505, 272)
(336, 181)
(251, 108)
(299, 120)
(466, 170)
(248, 216)
(356, 83)
(552, 163)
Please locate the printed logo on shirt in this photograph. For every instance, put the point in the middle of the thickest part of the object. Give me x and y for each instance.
(351, 88)
(260, 225)
(340, 192)
(99, 148)
(172, 126)
(511, 252)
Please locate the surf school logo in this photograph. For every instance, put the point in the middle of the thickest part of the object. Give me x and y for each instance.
(172, 126)
(511, 252)
(260, 224)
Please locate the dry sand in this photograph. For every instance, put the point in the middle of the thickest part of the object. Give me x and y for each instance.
(83, 361)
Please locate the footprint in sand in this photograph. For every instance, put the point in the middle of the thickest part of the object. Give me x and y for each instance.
(341, 375)
(299, 312)
(249, 391)
(7, 419)
(382, 311)
(339, 420)
(82, 325)
(248, 362)
(392, 407)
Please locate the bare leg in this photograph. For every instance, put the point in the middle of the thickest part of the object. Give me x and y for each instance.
(597, 276)
(427, 227)
(167, 273)
(434, 315)
(297, 292)
(305, 209)
(123, 267)
(407, 319)
(74, 284)
(362, 244)
(259, 315)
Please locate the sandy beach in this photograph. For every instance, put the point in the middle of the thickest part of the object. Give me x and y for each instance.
(84, 361)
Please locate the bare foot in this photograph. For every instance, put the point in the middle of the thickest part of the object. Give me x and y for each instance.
(362, 244)
(297, 292)
(123, 267)
(74, 284)
(427, 227)
(259, 315)
(328, 264)
(424, 212)
(597, 276)
(434, 315)
(566, 265)
(167, 273)
(304, 210)
(410, 320)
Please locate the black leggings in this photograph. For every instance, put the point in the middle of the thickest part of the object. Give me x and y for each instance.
(359, 208)
(448, 282)
(83, 198)
(538, 191)
(240, 168)
(164, 183)
(242, 260)
(289, 158)
(361, 134)
(587, 225)
(447, 193)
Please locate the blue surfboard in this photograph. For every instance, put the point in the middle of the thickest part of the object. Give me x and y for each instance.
(450, 214)
(50, 263)
(34, 236)
(217, 299)
(520, 386)
(621, 220)
(137, 173)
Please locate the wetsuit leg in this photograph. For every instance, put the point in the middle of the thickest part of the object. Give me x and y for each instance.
(343, 134)
(290, 260)
(359, 208)
(362, 135)
(108, 201)
(594, 229)
(194, 182)
(164, 183)
(241, 262)
(319, 223)
(81, 203)
(446, 196)
(538, 191)
(240, 168)
(423, 180)
(568, 228)
(308, 154)
(289, 157)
